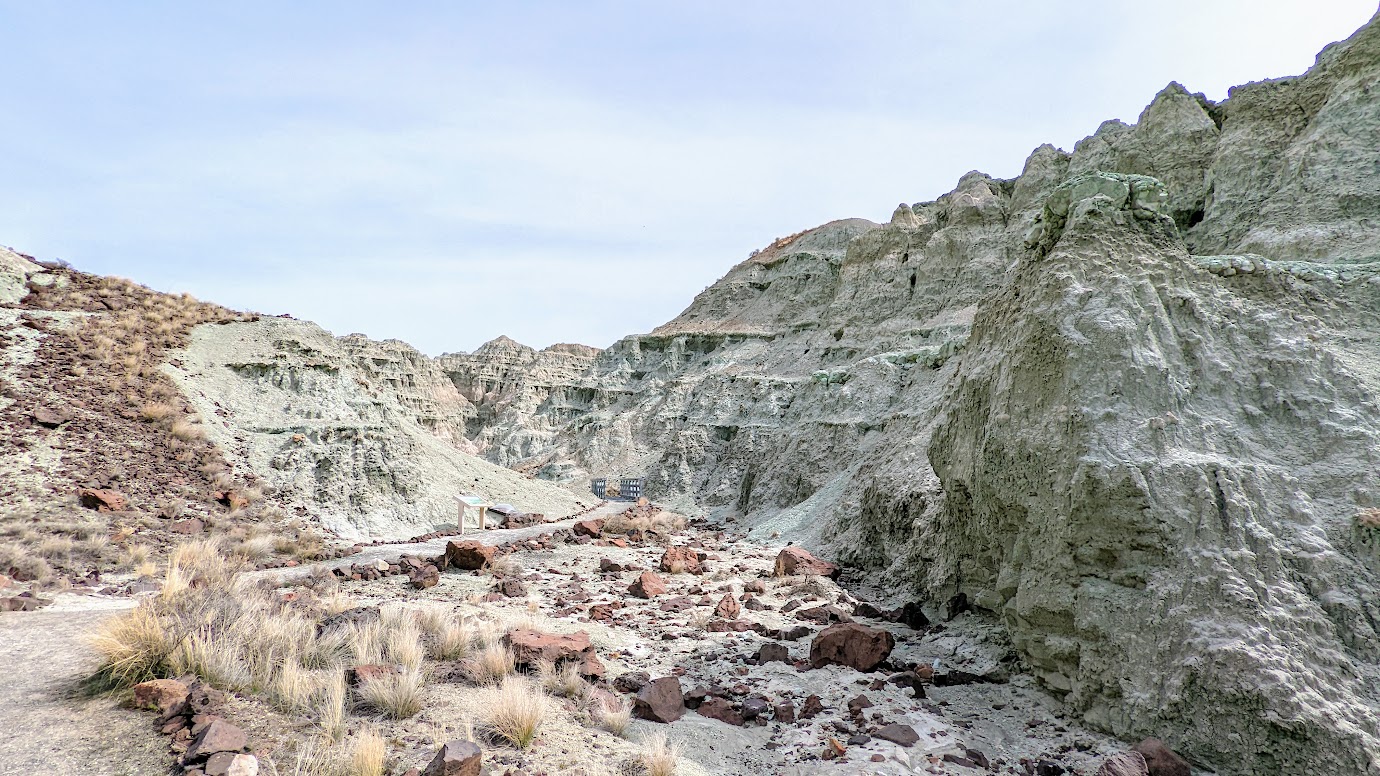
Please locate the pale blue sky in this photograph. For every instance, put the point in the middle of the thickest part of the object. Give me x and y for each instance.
(447, 172)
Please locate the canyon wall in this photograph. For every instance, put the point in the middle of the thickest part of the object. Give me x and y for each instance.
(1124, 402)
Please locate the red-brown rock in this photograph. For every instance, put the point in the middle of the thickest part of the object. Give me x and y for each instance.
(851, 644)
(590, 528)
(456, 758)
(660, 700)
(1160, 760)
(720, 709)
(161, 695)
(217, 736)
(362, 674)
(425, 577)
(103, 500)
(728, 607)
(794, 560)
(647, 585)
(189, 527)
(904, 735)
(681, 560)
(531, 648)
(468, 555)
(51, 418)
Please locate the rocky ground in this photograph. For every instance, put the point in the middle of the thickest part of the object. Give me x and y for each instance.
(701, 631)
(736, 639)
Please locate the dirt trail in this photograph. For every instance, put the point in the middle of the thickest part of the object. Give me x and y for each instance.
(50, 728)
(391, 552)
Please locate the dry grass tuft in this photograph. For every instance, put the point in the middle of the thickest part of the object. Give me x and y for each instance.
(659, 758)
(614, 719)
(561, 681)
(514, 711)
(328, 706)
(134, 647)
(397, 696)
(157, 412)
(451, 641)
(489, 665)
(369, 754)
(187, 432)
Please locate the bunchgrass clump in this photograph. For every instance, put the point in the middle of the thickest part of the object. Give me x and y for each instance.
(514, 711)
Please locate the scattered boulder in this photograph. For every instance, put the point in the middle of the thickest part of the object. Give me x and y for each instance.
(512, 587)
(773, 653)
(851, 644)
(660, 700)
(1124, 764)
(161, 695)
(792, 561)
(590, 528)
(728, 607)
(1160, 760)
(720, 709)
(813, 706)
(217, 736)
(103, 500)
(681, 560)
(531, 648)
(468, 555)
(632, 681)
(904, 735)
(647, 585)
(456, 758)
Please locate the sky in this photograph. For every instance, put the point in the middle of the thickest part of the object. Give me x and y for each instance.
(446, 172)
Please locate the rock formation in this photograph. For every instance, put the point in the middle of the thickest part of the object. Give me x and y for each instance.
(367, 437)
(1124, 402)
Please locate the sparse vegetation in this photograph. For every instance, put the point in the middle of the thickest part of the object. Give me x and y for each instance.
(514, 711)
(489, 665)
(659, 758)
(615, 719)
(369, 754)
(397, 696)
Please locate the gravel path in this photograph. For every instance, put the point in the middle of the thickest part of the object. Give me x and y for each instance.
(391, 552)
(50, 728)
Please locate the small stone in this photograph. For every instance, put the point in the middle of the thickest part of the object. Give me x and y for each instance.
(161, 695)
(647, 585)
(456, 758)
